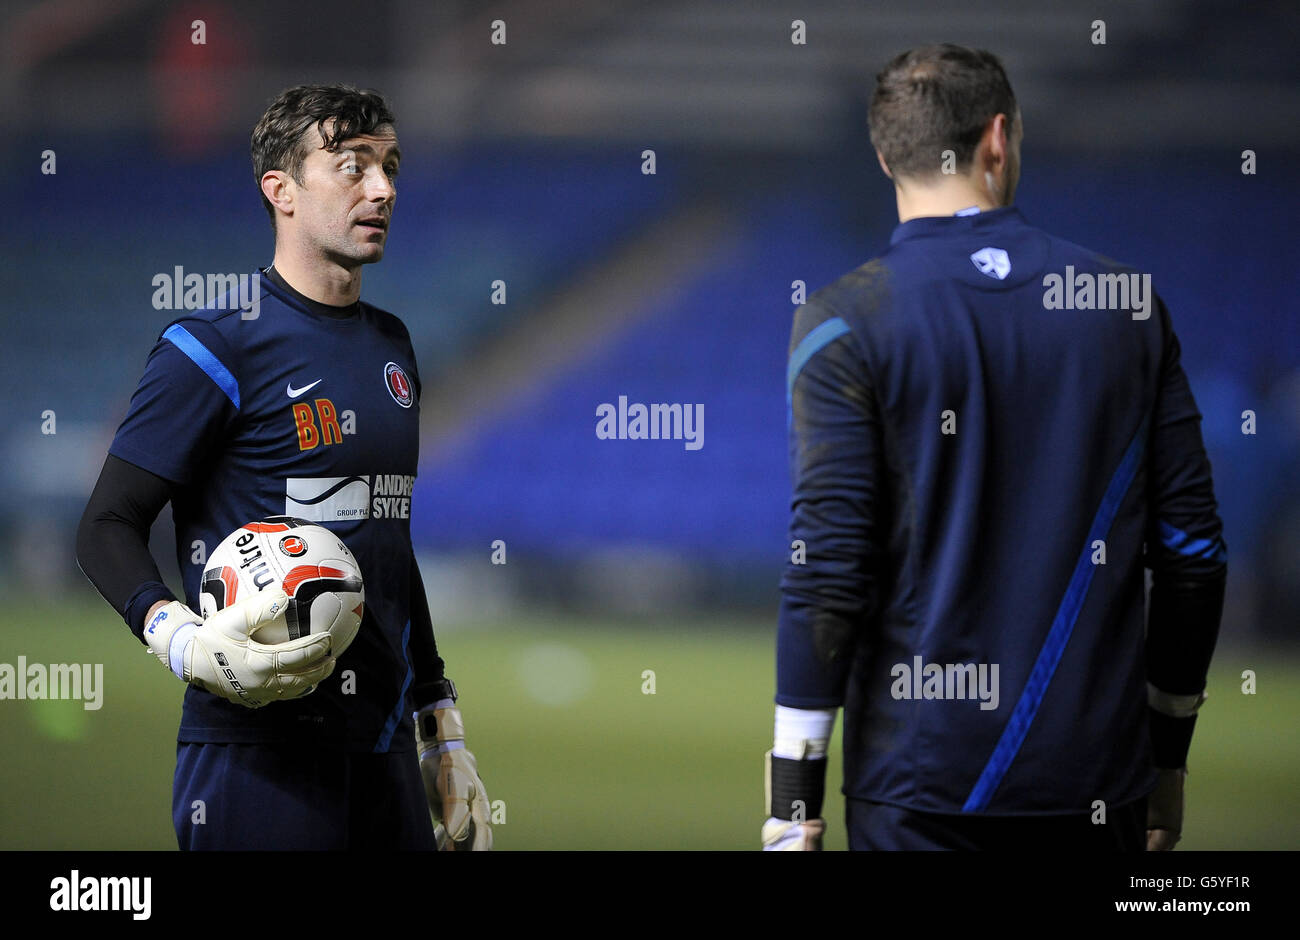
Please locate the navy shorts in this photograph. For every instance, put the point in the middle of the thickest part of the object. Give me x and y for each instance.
(297, 797)
(878, 826)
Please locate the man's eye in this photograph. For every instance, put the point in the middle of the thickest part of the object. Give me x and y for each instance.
(351, 168)
(391, 171)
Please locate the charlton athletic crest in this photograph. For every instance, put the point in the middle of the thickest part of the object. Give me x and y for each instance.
(293, 546)
(399, 386)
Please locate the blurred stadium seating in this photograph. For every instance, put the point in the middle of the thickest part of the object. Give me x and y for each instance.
(530, 173)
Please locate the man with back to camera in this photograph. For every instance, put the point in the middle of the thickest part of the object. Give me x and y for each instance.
(299, 406)
(981, 471)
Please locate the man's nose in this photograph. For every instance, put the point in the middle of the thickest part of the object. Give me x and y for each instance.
(379, 187)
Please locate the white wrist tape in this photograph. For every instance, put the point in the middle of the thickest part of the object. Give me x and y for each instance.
(802, 733)
(1175, 706)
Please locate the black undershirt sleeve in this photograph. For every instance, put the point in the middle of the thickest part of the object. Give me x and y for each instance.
(113, 540)
(1182, 630)
(425, 661)
(1185, 551)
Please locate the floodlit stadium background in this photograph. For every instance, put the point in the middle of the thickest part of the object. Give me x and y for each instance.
(523, 163)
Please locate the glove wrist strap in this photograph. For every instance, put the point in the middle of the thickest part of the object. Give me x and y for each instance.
(178, 647)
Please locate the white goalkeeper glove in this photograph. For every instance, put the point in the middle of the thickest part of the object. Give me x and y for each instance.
(782, 835)
(218, 655)
(1165, 811)
(457, 800)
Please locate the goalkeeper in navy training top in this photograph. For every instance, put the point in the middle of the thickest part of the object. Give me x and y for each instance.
(303, 403)
(982, 468)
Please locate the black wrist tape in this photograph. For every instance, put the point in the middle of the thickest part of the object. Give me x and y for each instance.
(794, 782)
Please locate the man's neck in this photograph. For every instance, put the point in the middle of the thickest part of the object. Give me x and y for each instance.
(322, 281)
(917, 200)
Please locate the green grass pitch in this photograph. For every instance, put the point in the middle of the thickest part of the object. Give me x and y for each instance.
(567, 737)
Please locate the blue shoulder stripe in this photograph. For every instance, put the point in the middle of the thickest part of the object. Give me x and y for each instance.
(817, 338)
(202, 357)
(1049, 657)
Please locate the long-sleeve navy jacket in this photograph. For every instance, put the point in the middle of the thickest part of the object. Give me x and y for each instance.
(980, 475)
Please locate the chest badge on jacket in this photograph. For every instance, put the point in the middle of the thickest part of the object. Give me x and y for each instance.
(399, 386)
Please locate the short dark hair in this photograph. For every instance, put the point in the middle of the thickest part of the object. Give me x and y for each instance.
(281, 138)
(936, 98)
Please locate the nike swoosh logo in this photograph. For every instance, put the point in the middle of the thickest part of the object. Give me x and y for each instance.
(295, 392)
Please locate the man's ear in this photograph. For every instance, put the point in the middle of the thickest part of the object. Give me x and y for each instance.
(996, 139)
(883, 166)
(278, 188)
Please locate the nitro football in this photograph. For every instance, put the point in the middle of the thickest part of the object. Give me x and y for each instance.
(309, 562)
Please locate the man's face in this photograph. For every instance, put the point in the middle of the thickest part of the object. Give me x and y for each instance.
(345, 201)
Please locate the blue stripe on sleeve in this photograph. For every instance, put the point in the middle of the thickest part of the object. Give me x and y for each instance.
(817, 338)
(1049, 657)
(202, 357)
(1175, 539)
